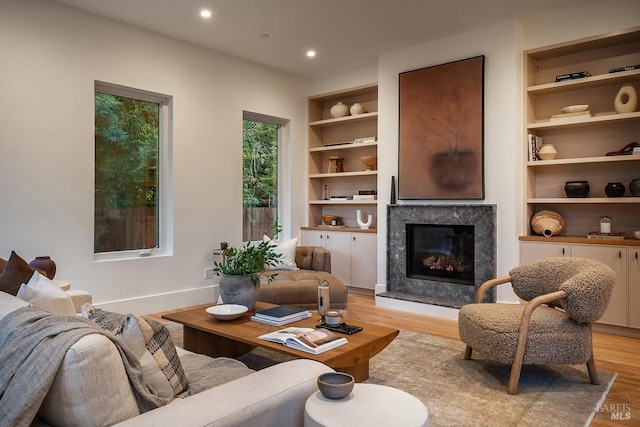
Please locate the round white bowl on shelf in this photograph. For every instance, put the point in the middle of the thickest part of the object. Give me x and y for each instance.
(637, 234)
(226, 311)
(574, 108)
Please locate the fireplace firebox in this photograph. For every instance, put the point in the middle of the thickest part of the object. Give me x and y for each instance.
(441, 252)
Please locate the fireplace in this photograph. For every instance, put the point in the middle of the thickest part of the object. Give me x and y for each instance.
(440, 254)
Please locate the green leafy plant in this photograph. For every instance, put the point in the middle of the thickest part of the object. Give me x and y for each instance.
(249, 260)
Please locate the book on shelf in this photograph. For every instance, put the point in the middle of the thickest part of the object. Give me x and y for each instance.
(571, 116)
(534, 144)
(364, 197)
(571, 76)
(281, 312)
(598, 235)
(625, 68)
(340, 198)
(309, 340)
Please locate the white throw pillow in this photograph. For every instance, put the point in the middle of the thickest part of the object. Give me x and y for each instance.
(46, 295)
(288, 251)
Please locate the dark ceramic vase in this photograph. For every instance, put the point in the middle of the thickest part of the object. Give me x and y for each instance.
(614, 189)
(44, 264)
(634, 187)
(575, 189)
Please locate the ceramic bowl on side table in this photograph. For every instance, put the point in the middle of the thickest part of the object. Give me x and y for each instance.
(335, 385)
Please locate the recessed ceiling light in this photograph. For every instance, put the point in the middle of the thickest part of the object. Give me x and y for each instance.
(311, 53)
(205, 13)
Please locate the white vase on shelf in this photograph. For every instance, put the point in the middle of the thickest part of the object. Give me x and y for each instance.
(364, 225)
(356, 109)
(339, 110)
(547, 152)
(626, 100)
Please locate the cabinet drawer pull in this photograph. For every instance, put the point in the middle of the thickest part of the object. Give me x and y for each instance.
(636, 254)
(562, 251)
(619, 254)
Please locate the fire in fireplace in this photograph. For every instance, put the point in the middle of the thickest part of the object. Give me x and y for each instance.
(441, 252)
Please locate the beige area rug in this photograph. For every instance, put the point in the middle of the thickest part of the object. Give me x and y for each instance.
(460, 392)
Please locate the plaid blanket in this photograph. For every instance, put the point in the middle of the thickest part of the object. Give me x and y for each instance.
(33, 344)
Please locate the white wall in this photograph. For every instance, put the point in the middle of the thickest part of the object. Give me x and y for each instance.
(51, 55)
(502, 45)
(501, 118)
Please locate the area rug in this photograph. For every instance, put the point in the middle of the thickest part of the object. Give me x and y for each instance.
(461, 392)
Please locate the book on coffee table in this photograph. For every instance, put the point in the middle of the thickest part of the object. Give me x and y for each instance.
(310, 340)
(281, 312)
(276, 322)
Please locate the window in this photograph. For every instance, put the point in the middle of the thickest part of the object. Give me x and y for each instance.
(260, 158)
(130, 133)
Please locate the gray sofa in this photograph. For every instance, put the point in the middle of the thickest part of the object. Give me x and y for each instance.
(300, 287)
(92, 388)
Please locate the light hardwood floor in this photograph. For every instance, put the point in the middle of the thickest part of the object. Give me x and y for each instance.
(612, 353)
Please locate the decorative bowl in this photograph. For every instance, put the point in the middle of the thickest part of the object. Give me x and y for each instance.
(574, 108)
(326, 219)
(614, 189)
(575, 189)
(370, 162)
(226, 311)
(636, 234)
(335, 385)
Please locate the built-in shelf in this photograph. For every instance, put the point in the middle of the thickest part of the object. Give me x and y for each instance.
(584, 200)
(582, 142)
(332, 146)
(581, 239)
(583, 160)
(341, 174)
(584, 83)
(342, 147)
(342, 120)
(343, 202)
(596, 120)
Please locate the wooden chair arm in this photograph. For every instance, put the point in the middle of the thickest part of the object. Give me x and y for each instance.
(527, 312)
(488, 285)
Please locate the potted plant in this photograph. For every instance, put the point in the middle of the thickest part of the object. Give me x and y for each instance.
(241, 270)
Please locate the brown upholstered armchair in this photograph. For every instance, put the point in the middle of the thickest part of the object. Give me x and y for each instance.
(564, 297)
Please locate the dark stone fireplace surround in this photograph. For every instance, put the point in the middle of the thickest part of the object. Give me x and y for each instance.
(399, 286)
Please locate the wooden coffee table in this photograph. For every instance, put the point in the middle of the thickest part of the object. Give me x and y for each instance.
(205, 335)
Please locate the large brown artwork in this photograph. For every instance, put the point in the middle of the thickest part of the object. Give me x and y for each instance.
(441, 131)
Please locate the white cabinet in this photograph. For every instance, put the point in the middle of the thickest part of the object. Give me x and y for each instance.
(353, 254)
(533, 251)
(634, 286)
(616, 258)
(623, 258)
(363, 260)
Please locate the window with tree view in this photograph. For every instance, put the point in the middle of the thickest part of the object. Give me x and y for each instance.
(127, 133)
(259, 179)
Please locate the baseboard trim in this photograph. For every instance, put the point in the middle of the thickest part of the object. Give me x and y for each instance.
(616, 330)
(162, 302)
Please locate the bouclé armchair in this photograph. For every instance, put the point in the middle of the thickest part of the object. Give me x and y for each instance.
(564, 297)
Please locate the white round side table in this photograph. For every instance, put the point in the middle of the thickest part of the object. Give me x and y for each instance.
(367, 405)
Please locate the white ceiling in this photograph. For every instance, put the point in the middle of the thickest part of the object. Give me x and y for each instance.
(347, 34)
